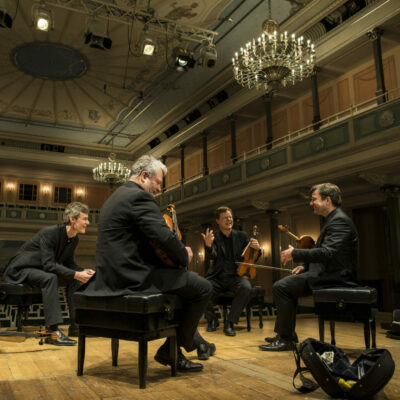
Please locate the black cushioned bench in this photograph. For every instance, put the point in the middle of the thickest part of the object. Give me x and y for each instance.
(139, 317)
(257, 300)
(349, 304)
(22, 296)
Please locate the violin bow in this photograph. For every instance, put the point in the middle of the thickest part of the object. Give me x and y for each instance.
(19, 337)
(266, 267)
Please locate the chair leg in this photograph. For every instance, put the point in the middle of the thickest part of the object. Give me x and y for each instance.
(373, 332)
(332, 327)
(81, 353)
(260, 313)
(114, 351)
(248, 316)
(173, 350)
(321, 328)
(142, 363)
(367, 334)
(22, 313)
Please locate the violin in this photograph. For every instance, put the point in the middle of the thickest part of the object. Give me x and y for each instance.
(303, 242)
(172, 222)
(250, 256)
(18, 337)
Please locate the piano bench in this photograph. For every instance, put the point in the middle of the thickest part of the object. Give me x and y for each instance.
(140, 317)
(22, 296)
(349, 304)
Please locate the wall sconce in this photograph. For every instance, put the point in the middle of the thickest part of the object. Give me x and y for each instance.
(200, 255)
(10, 186)
(80, 192)
(46, 189)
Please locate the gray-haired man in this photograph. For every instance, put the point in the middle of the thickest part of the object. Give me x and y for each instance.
(47, 261)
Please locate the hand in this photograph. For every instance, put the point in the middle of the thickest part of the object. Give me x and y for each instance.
(298, 270)
(254, 244)
(286, 255)
(190, 254)
(83, 276)
(90, 271)
(208, 237)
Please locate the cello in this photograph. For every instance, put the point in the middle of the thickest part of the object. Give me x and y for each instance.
(302, 242)
(172, 222)
(250, 256)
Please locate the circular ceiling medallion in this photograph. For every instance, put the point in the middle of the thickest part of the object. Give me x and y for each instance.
(48, 60)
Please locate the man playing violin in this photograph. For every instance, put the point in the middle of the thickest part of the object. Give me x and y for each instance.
(130, 229)
(225, 249)
(332, 262)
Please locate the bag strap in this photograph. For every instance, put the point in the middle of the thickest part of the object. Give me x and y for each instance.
(307, 384)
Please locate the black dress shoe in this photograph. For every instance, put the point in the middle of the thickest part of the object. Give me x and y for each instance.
(59, 339)
(279, 344)
(73, 330)
(272, 339)
(228, 329)
(205, 350)
(183, 364)
(212, 325)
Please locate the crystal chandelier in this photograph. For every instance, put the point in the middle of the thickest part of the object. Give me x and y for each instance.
(274, 59)
(111, 172)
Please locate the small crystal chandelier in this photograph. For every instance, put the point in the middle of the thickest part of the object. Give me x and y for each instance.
(273, 60)
(111, 172)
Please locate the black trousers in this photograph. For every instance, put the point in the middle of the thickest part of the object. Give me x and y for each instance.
(196, 295)
(241, 288)
(286, 293)
(49, 283)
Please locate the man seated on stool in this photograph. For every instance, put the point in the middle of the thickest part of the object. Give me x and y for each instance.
(47, 261)
(332, 262)
(131, 229)
(225, 249)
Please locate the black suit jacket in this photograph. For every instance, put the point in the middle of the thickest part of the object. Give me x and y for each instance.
(217, 252)
(49, 251)
(129, 227)
(334, 258)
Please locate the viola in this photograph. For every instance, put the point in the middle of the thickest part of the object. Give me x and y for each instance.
(172, 222)
(302, 242)
(250, 256)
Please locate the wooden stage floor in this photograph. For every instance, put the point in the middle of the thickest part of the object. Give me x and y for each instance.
(239, 370)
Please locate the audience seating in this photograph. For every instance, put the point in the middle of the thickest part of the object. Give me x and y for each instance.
(351, 304)
(139, 317)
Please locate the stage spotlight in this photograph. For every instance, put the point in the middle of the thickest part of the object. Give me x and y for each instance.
(183, 60)
(148, 46)
(5, 18)
(208, 56)
(42, 17)
(96, 35)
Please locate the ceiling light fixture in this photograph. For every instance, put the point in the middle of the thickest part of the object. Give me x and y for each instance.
(42, 17)
(273, 60)
(96, 35)
(183, 60)
(5, 17)
(111, 172)
(208, 56)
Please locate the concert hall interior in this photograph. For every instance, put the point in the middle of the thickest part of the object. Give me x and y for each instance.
(82, 92)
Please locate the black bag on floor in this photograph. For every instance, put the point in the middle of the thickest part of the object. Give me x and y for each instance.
(334, 373)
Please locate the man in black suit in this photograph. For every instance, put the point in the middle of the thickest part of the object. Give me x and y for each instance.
(332, 262)
(47, 261)
(225, 249)
(130, 227)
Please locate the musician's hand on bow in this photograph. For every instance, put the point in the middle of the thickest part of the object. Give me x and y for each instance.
(83, 276)
(254, 244)
(208, 237)
(298, 270)
(286, 255)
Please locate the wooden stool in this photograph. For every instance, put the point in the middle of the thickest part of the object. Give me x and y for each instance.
(349, 304)
(256, 300)
(139, 317)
